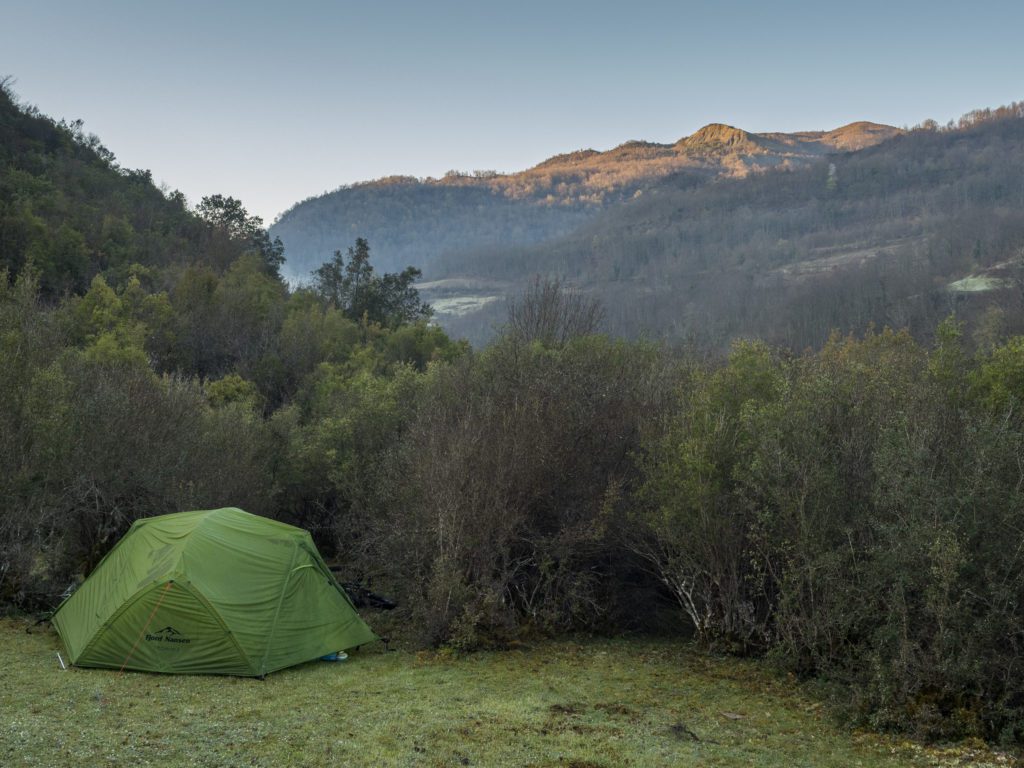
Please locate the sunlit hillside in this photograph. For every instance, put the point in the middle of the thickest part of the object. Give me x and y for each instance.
(884, 235)
(417, 221)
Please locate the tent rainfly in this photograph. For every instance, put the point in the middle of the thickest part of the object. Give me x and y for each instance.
(212, 592)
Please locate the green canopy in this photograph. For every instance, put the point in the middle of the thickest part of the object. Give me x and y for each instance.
(217, 592)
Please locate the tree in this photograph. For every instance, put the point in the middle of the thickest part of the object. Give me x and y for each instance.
(548, 313)
(350, 285)
(228, 215)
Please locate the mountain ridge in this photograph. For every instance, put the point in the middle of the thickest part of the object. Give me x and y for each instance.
(901, 233)
(850, 137)
(411, 220)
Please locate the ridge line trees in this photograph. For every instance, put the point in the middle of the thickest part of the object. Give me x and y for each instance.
(228, 215)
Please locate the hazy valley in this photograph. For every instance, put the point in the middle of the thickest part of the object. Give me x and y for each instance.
(722, 234)
(416, 221)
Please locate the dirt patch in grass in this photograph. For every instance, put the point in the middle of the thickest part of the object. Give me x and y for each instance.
(566, 709)
(683, 732)
(616, 709)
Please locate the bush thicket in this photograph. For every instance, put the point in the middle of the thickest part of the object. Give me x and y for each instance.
(857, 514)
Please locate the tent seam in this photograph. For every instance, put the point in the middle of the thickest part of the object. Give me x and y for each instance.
(215, 614)
(131, 530)
(277, 612)
(117, 614)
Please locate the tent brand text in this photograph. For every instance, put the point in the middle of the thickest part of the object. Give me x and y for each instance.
(167, 635)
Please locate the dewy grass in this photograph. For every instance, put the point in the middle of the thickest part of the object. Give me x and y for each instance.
(600, 703)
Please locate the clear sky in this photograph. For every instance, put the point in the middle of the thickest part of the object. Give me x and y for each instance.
(273, 102)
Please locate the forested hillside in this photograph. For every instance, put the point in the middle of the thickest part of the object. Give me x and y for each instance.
(412, 222)
(883, 235)
(153, 359)
(851, 513)
(417, 221)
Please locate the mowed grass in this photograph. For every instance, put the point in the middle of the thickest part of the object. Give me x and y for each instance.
(557, 704)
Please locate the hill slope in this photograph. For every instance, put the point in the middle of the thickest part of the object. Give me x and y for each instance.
(886, 234)
(412, 221)
(67, 207)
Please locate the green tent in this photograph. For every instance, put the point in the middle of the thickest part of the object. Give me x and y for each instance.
(218, 592)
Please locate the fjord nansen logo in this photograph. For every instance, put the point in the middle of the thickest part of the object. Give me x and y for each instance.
(167, 635)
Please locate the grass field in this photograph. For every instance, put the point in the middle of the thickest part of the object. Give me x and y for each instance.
(562, 704)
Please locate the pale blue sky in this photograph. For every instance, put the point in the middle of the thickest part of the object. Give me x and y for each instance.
(274, 102)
